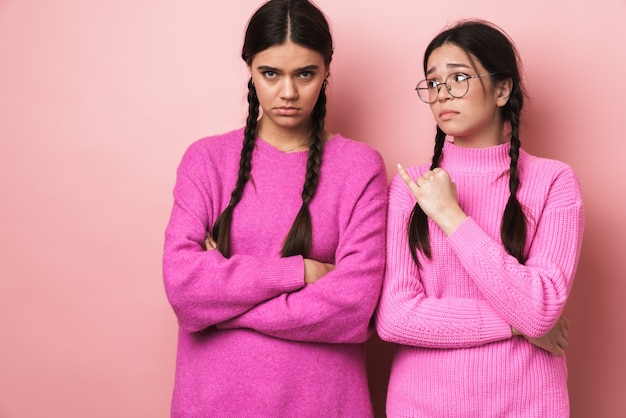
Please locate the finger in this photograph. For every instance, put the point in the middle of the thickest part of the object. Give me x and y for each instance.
(439, 172)
(555, 349)
(210, 243)
(406, 178)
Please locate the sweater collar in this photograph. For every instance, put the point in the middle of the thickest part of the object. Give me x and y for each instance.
(268, 152)
(476, 160)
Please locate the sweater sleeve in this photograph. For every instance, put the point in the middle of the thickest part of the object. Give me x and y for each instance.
(407, 314)
(203, 287)
(529, 296)
(338, 308)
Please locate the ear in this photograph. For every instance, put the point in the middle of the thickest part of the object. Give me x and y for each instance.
(503, 92)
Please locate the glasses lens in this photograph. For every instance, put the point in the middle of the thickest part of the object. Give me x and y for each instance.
(426, 94)
(458, 84)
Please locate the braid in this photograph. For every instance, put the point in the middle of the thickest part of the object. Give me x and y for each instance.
(300, 236)
(418, 223)
(221, 229)
(513, 229)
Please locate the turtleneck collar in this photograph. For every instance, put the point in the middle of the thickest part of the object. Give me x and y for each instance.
(476, 160)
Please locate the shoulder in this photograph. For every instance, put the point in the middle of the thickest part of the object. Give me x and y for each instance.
(217, 143)
(549, 169)
(353, 155)
(213, 148)
(556, 177)
(354, 170)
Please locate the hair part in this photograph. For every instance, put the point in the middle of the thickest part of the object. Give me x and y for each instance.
(485, 42)
(275, 23)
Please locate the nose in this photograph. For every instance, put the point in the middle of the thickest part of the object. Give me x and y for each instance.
(288, 89)
(446, 92)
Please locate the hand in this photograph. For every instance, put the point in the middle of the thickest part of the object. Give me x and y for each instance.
(436, 194)
(555, 341)
(209, 243)
(315, 270)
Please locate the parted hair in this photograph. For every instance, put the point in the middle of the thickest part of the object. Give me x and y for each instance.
(488, 44)
(275, 23)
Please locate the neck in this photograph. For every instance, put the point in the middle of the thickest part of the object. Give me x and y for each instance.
(484, 139)
(286, 140)
(478, 142)
(493, 132)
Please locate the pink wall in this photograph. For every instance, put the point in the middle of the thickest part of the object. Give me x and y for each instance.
(99, 99)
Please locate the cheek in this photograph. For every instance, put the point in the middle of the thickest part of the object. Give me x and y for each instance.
(263, 93)
(312, 95)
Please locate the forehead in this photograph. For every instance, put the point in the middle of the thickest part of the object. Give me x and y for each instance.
(449, 58)
(288, 56)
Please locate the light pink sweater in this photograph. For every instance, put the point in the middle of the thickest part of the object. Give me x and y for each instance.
(452, 319)
(254, 341)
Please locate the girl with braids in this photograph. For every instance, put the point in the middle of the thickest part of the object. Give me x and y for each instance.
(482, 248)
(274, 252)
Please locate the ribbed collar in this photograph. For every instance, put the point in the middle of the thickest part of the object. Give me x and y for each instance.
(476, 160)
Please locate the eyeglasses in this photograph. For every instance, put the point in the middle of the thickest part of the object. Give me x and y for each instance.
(457, 85)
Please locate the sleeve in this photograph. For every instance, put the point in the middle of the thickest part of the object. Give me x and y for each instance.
(407, 314)
(338, 308)
(529, 296)
(203, 287)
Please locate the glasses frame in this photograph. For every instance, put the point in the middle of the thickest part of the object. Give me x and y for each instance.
(438, 84)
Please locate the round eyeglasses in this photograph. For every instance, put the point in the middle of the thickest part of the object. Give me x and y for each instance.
(457, 85)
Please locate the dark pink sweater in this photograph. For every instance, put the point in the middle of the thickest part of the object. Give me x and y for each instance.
(457, 357)
(254, 340)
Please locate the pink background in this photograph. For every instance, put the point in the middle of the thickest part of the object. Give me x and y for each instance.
(98, 100)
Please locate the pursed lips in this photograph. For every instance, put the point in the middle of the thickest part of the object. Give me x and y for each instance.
(447, 113)
(286, 110)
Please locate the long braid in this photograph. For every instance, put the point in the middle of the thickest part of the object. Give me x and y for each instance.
(418, 224)
(300, 236)
(513, 229)
(221, 229)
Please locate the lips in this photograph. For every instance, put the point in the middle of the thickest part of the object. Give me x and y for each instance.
(287, 110)
(447, 114)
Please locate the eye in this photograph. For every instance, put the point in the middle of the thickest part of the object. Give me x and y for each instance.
(269, 74)
(306, 75)
(432, 84)
(458, 77)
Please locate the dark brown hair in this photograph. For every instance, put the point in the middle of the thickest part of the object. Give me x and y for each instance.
(275, 23)
(497, 54)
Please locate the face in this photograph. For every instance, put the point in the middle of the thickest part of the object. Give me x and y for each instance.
(288, 79)
(473, 120)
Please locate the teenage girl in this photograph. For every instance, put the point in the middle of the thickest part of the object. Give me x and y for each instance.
(274, 252)
(482, 248)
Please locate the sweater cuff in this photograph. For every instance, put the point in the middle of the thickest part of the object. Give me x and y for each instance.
(285, 274)
(494, 328)
(467, 237)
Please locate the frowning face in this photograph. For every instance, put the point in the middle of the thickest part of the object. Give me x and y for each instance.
(288, 79)
(474, 120)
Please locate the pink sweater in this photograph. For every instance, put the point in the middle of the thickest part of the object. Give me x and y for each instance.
(456, 355)
(254, 341)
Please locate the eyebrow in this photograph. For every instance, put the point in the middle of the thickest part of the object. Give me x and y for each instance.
(297, 70)
(452, 66)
